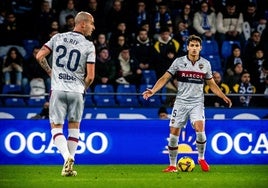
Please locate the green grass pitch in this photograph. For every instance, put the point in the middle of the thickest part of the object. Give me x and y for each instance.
(136, 176)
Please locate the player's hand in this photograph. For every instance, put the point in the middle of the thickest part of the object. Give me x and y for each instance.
(148, 93)
(228, 101)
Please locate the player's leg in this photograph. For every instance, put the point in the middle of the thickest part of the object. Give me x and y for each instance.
(72, 142)
(173, 149)
(201, 144)
(177, 121)
(57, 113)
(198, 123)
(73, 137)
(76, 107)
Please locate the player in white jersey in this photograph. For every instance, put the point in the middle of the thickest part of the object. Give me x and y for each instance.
(191, 71)
(72, 72)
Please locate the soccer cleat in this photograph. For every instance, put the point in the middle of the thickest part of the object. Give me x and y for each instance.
(67, 169)
(170, 169)
(72, 173)
(203, 164)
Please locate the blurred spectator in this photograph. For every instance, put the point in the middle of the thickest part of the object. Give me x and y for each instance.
(264, 40)
(255, 67)
(52, 33)
(115, 49)
(69, 24)
(43, 20)
(153, 6)
(162, 47)
(253, 19)
(101, 42)
(44, 114)
(171, 84)
(218, 5)
(105, 68)
(250, 47)
(204, 21)
(244, 86)
(183, 28)
(11, 31)
(186, 17)
(264, 102)
(2, 15)
(115, 15)
(229, 24)
(162, 113)
(127, 67)
(234, 59)
(215, 101)
(121, 29)
(95, 9)
(139, 16)
(54, 25)
(231, 80)
(68, 10)
(162, 18)
(33, 70)
(264, 76)
(12, 67)
(146, 25)
(143, 49)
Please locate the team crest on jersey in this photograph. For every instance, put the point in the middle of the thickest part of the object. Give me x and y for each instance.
(201, 66)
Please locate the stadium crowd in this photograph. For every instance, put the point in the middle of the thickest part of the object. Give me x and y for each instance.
(132, 37)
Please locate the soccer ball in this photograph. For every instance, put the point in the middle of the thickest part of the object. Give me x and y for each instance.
(186, 164)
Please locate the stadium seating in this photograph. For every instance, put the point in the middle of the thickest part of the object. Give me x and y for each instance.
(29, 45)
(154, 101)
(215, 62)
(11, 89)
(36, 101)
(12, 100)
(148, 77)
(126, 95)
(4, 50)
(226, 49)
(88, 98)
(210, 47)
(104, 95)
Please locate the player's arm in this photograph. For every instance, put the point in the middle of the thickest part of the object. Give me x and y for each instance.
(41, 58)
(217, 91)
(90, 75)
(158, 85)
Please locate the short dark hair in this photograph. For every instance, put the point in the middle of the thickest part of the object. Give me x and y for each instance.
(103, 48)
(164, 29)
(194, 38)
(162, 109)
(124, 47)
(68, 17)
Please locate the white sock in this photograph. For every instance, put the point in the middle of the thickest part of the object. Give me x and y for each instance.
(173, 149)
(201, 140)
(73, 139)
(60, 142)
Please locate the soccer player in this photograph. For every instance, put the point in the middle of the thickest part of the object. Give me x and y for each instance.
(191, 71)
(72, 72)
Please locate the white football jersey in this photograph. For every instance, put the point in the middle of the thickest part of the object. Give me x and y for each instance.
(71, 51)
(191, 78)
